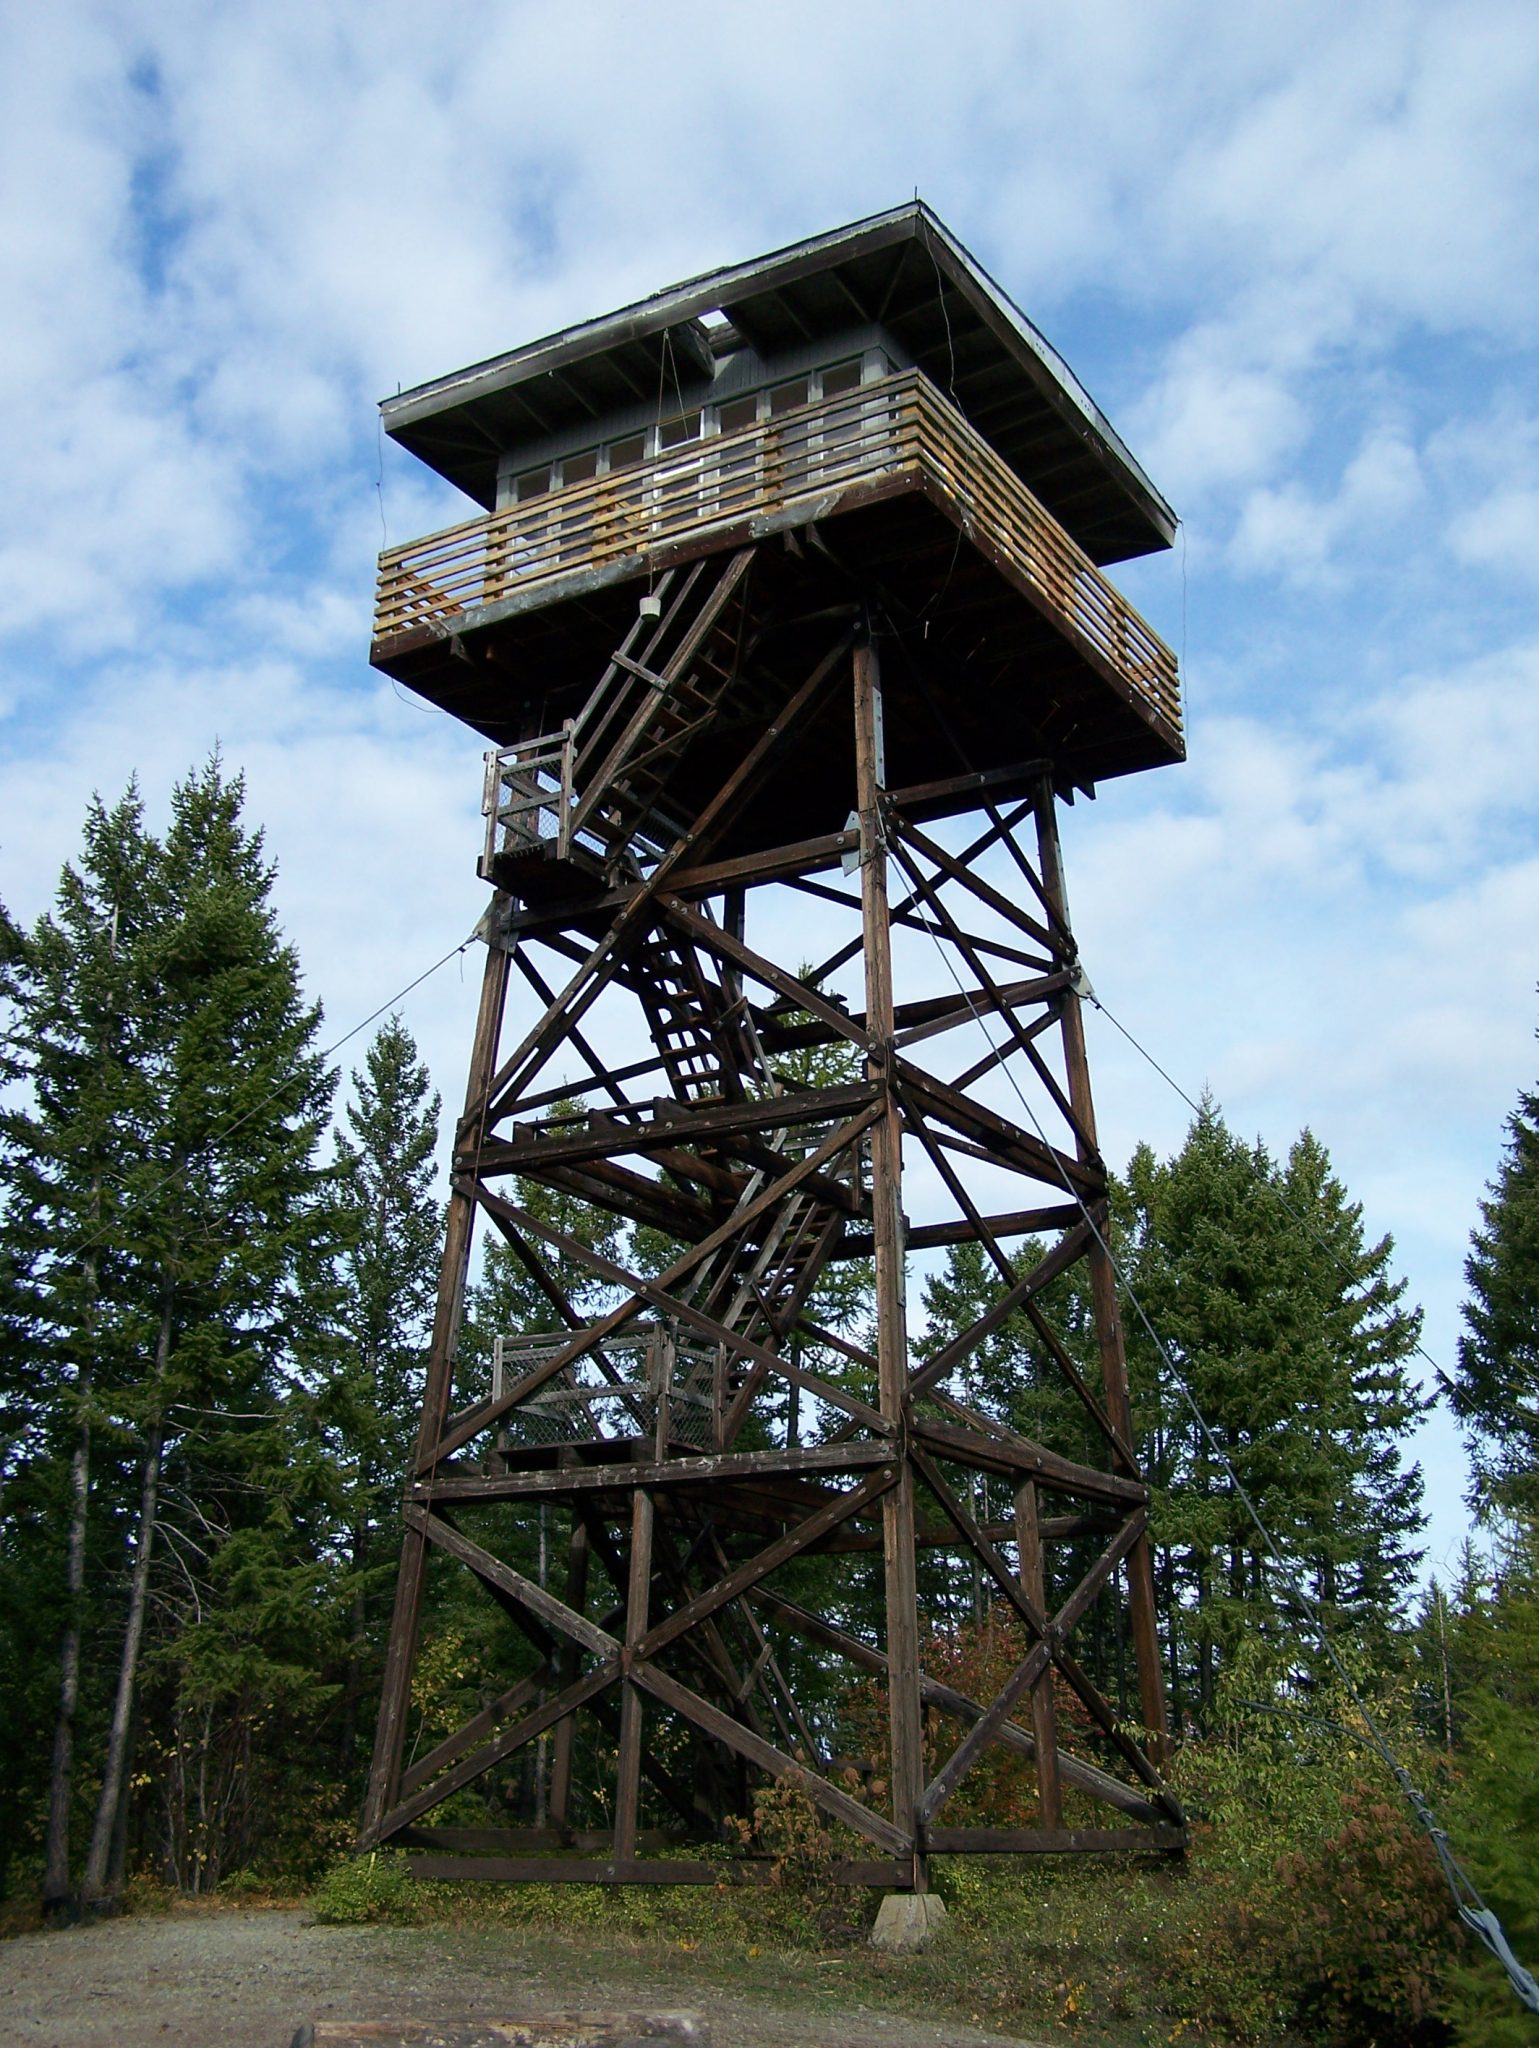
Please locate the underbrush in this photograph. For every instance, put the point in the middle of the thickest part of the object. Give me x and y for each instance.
(1309, 1911)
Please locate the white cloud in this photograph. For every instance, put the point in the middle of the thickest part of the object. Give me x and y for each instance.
(1318, 539)
(1300, 239)
(1501, 532)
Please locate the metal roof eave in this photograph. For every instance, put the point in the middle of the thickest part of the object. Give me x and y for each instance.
(411, 417)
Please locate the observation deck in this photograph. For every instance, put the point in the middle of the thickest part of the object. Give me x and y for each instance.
(933, 468)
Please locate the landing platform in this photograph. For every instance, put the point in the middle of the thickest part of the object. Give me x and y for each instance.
(1000, 640)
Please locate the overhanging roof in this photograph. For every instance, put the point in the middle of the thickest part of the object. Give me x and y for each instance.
(901, 270)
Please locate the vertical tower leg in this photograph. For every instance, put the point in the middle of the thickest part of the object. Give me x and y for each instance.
(887, 1222)
(1044, 1715)
(390, 1732)
(638, 1591)
(1103, 1290)
(561, 1759)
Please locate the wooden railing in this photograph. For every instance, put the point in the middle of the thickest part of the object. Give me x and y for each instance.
(787, 465)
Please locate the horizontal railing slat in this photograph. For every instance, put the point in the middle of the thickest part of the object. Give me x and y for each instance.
(898, 425)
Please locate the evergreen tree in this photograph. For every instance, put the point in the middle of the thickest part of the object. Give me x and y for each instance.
(389, 1275)
(179, 1232)
(230, 1222)
(82, 991)
(1011, 1377)
(1495, 1821)
(1286, 1329)
(508, 1299)
(1495, 1386)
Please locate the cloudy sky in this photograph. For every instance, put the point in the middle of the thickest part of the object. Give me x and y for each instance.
(1291, 249)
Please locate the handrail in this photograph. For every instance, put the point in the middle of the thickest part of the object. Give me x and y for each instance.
(895, 426)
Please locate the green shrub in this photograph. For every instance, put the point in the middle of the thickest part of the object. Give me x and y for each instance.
(370, 1890)
(1372, 1935)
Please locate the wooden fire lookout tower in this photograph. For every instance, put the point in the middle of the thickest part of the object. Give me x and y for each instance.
(785, 619)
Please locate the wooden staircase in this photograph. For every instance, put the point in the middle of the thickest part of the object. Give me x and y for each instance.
(702, 1033)
(599, 789)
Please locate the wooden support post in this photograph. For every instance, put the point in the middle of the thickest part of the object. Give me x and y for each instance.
(904, 1708)
(693, 1508)
(638, 1595)
(390, 1731)
(1044, 1712)
(1103, 1291)
(561, 1758)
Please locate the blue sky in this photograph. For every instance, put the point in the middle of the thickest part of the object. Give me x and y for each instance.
(1291, 250)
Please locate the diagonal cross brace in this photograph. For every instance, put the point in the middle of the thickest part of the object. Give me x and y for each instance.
(655, 1293)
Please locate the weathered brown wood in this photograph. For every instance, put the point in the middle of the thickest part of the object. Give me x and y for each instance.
(968, 878)
(587, 1692)
(534, 1599)
(601, 1075)
(733, 1677)
(672, 1124)
(1075, 1770)
(503, 1709)
(947, 1012)
(638, 1601)
(1069, 1249)
(1052, 1841)
(622, 752)
(1030, 1669)
(833, 1801)
(984, 1230)
(769, 1676)
(534, 1841)
(998, 1004)
(1010, 1454)
(1003, 1141)
(650, 1293)
(636, 822)
(986, 1729)
(503, 1745)
(887, 1233)
(764, 970)
(1123, 1540)
(1103, 1287)
(997, 1055)
(999, 1139)
(701, 1470)
(906, 904)
(395, 1691)
(584, 987)
(644, 1870)
(548, 2030)
(792, 1544)
(620, 1191)
(654, 1294)
(1044, 1713)
(567, 1666)
(768, 477)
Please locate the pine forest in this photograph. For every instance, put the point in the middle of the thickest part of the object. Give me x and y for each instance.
(216, 1287)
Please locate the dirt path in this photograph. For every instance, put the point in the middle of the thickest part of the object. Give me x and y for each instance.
(247, 1979)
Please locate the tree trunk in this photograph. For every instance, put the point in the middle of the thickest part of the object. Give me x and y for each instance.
(58, 1903)
(357, 1644)
(1172, 1640)
(94, 1887)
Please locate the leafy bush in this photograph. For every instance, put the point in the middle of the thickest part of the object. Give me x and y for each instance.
(1371, 1935)
(1308, 1910)
(367, 1890)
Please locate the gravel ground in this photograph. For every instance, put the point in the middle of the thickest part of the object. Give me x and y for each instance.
(248, 1979)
